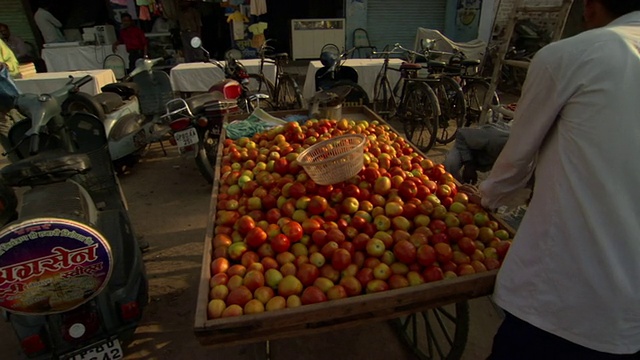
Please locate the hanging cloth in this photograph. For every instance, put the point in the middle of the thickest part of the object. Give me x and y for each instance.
(237, 19)
(144, 13)
(258, 7)
(119, 2)
(142, 2)
(257, 30)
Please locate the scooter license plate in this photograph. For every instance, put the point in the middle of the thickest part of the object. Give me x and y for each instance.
(108, 350)
(186, 137)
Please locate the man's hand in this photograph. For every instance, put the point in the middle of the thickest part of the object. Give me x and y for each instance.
(472, 192)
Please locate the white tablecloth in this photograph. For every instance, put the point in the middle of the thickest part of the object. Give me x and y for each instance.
(367, 71)
(72, 58)
(48, 82)
(200, 76)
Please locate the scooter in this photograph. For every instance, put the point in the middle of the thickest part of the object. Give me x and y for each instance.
(72, 279)
(335, 77)
(130, 111)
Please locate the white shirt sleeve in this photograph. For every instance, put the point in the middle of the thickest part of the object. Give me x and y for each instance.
(537, 111)
(53, 19)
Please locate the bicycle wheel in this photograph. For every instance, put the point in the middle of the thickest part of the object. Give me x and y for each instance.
(419, 112)
(474, 94)
(452, 109)
(383, 101)
(260, 85)
(288, 95)
(439, 333)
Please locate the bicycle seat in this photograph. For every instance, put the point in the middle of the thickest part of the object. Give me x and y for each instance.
(280, 56)
(197, 103)
(470, 63)
(45, 168)
(436, 64)
(410, 66)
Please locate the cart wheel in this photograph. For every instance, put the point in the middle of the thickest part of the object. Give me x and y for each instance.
(439, 333)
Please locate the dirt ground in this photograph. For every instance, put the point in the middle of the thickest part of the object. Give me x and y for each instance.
(169, 206)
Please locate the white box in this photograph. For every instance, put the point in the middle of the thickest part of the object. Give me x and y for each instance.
(105, 34)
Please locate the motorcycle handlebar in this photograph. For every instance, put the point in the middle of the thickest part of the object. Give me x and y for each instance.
(83, 80)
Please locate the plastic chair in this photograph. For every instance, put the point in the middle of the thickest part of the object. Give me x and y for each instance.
(116, 63)
(361, 41)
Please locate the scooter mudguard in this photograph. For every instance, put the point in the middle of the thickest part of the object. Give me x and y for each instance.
(127, 136)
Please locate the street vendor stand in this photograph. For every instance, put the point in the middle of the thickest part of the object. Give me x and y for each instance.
(349, 312)
(44, 83)
(200, 76)
(79, 57)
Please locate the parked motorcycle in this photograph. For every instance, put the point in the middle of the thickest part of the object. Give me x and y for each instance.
(72, 280)
(196, 125)
(334, 75)
(130, 111)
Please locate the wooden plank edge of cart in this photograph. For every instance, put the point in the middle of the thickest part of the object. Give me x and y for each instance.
(331, 315)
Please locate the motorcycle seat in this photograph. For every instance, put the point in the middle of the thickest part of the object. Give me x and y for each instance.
(45, 168)
(124, 89)
(198, 103)
(109, 101)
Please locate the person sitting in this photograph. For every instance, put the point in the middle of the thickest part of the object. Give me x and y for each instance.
(9, 59)
(16, 44)
(133, 38)
(476, 149)
(48, 24)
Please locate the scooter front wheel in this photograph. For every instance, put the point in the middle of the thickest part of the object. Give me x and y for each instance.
(206, 155)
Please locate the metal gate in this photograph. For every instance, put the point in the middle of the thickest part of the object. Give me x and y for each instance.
(14, 15)
(390, 22)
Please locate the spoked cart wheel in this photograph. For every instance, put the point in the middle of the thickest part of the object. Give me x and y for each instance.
(437, 334)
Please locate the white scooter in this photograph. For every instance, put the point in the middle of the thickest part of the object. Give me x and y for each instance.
(130, 111)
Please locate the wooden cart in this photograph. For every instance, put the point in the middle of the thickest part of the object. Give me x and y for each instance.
(409, 306)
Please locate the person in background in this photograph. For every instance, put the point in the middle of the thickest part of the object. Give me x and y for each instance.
(9, 59)
(134, 40)
(476, 149)
(190, 26)
(15, 43)
(48, 24)
(569, 283)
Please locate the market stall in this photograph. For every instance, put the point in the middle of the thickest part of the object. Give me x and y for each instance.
(367, 71)
(42, 83)
(200, 76)
(79, 57)
(319, 315)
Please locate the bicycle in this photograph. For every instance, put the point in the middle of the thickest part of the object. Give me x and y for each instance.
(285, 94)
(417, 106)
(447, 90)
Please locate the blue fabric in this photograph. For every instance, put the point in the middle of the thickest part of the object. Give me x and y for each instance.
(8, 90)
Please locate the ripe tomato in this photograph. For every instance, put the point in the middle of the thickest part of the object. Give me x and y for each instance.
(280, 243)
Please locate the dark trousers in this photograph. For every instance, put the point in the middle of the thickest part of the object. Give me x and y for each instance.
(133, 56)
(517, 339)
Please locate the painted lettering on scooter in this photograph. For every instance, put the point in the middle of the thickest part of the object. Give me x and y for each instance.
(57, 266)
(47, 233)
(61, 259)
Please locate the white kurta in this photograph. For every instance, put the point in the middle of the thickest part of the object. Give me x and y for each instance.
(574, 267)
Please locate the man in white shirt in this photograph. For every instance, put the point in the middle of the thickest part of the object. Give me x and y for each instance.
(570, 283)
(48, 24)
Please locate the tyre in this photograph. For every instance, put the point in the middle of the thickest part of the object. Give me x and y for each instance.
(288, 96)
(452, 109)
(439, 333)
(474, 95)
(206, 156)
(82, 102)
(260, 85)
(383, 100)
(418, 113)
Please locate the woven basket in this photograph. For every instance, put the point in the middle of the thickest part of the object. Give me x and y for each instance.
(332, 161)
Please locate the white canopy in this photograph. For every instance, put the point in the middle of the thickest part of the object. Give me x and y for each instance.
(473, 50)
